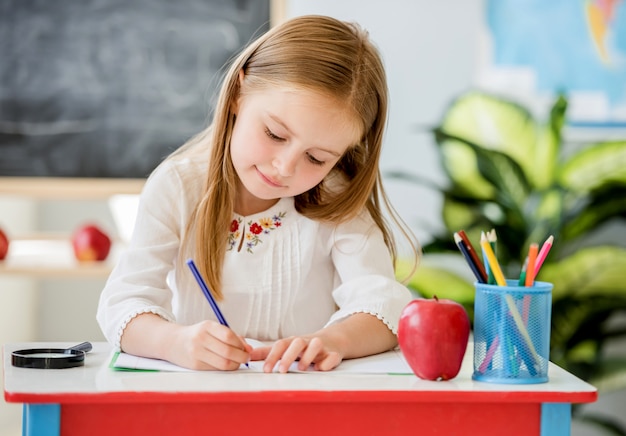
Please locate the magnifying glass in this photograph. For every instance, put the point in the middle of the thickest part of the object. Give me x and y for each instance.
(51, 358)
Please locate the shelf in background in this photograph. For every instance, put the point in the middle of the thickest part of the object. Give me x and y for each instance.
(53, 258)
(68, 187)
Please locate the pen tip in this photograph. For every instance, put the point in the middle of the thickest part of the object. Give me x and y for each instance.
(550, 239)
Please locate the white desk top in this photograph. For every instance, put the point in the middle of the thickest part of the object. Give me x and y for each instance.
(96, 379)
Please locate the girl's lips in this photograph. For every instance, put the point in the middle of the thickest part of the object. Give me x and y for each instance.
(268, 180)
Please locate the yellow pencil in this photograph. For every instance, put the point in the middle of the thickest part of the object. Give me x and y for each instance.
(491, 258)
(501, 281)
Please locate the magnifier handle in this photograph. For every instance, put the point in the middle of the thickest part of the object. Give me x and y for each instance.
(85, 346)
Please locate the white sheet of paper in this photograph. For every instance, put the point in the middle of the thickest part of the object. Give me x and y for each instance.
(391, 362)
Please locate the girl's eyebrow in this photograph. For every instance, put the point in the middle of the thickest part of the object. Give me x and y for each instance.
(284, 126)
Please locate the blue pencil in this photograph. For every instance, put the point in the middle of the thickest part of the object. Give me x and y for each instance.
(207, 294)
(523, 350)
(459, 243)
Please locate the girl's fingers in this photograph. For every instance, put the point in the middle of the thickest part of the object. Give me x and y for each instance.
(314, 351)
(211, 360)
(286, 351)
(224, 334)
(246, 346)
(221, 348)
(331, 361)
(276, 352)
(260, 353)
(291, 354)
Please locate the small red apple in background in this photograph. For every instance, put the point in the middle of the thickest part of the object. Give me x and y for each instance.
(90, 243)
(4, 245)
(433, 335)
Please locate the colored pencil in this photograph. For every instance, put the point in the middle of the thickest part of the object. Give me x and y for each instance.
(522, 276)
(463, 249)
(474, 256)
(501, 281)
(493, 262)
(493, 241)
(525, 353)
(529, 281)
(489, 356)
(525, 309)
(543, 253)
(532, 258)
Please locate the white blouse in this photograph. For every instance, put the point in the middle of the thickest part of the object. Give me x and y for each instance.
(284, 274)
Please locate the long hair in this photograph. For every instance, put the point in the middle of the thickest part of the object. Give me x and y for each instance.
(319, 54)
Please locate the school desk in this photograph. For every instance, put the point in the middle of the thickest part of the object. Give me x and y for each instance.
(95, 400)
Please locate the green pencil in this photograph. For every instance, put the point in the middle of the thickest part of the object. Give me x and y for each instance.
(522, 276)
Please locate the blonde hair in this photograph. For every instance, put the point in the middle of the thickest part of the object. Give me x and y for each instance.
(323, 55)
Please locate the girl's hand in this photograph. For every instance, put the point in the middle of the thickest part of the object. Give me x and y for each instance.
(209, 345)
(307, 350)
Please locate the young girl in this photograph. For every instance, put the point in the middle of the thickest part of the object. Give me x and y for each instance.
(278, 203)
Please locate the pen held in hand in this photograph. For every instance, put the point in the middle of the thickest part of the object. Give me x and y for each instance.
(207, 294)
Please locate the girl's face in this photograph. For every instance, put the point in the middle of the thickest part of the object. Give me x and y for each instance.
(284, 142)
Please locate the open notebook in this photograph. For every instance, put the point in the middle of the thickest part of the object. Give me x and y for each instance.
(390, 362)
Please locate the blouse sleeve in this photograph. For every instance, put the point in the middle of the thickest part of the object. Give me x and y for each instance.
(138, 283)
(365, 269)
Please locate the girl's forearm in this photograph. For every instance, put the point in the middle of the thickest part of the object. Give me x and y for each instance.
(361, 334)
(148, 335)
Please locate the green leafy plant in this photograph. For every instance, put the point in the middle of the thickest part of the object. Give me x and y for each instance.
(512, 173)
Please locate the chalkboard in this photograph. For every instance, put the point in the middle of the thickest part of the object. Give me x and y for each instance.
(108, 88)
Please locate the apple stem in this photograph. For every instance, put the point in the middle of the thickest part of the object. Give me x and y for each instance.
(435, 297)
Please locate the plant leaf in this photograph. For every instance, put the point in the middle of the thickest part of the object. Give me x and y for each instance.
(498, 169)
(581, 328)
(428, 281)
(497, 124)
(592, 270)
(463, 215)
(597, 165)
(610, 374)
(599, 207)
(544, 159)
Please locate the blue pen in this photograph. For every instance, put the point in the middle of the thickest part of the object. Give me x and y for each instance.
(207, 294)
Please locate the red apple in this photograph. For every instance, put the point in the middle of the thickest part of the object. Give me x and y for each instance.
(433, 336)
(90, 243)
(4, 245)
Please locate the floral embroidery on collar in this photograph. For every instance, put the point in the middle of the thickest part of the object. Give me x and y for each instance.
(252, 232)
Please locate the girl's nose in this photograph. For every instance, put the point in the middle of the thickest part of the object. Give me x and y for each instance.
(285, 164)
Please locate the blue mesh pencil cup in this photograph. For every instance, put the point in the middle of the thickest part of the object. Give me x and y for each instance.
(512, 332)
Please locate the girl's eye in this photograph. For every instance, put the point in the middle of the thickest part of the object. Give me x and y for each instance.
(314, 161)
(277, 138)
(271, 135)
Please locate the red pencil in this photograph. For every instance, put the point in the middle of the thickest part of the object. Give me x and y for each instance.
(543, 253)
(474, 256)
